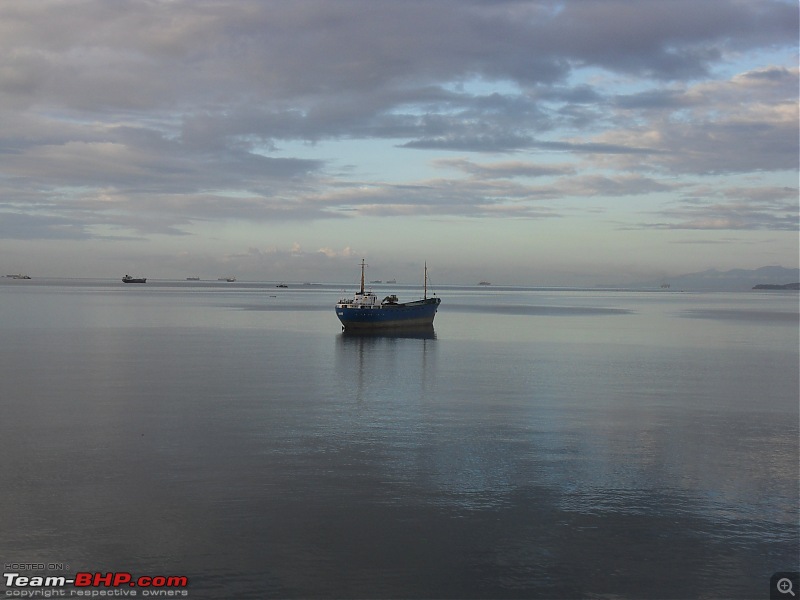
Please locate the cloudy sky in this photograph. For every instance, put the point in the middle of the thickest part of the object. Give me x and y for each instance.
(522, 142)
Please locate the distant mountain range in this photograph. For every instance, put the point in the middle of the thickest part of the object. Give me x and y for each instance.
(734, 280)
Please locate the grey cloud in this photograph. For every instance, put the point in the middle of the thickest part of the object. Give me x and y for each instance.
(177, 110)
(475, 143)
(735, 208)
(506, 169)
(594, 148)
(669, 40)
(746, 124)
(734, 145)
(772, 74)
(442, 197)
(23, 226)
(95, 55)
(728, 218)
(661, 99)
(490, 191)
(598, 185)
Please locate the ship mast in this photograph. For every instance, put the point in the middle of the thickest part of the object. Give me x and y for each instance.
(425, 285)
(362, 276)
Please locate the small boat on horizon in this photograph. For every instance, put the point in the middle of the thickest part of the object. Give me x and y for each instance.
(364, 312)
(129, 279)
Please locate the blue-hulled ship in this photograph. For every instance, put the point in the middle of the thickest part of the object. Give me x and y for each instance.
(363, 312)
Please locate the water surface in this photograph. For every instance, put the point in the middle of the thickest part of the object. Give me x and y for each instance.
(540, 444)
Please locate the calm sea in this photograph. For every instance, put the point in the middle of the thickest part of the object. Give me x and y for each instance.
(540, 444)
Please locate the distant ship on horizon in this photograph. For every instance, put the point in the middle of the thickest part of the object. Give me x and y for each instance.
(129, 279)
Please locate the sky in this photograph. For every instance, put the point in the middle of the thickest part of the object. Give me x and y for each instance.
(576, 142)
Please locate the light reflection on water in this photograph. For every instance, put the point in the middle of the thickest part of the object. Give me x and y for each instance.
(537, 444)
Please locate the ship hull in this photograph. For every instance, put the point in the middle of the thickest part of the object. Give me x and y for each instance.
(410, 315)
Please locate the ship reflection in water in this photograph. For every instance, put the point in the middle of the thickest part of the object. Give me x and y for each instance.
(386, 365)
(417, 333)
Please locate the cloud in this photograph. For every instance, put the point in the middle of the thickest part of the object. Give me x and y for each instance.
(507, 169)
(734, 209)
(148, 118)
(21, 226)
(747, 123)
(345, 252)
(472, 142)
(291, 261)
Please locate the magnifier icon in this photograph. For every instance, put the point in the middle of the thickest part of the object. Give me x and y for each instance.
(784, 586)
